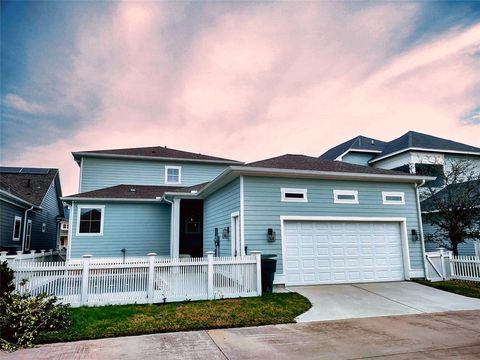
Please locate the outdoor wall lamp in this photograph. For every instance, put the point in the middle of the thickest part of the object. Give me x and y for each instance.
(270, 235)
(414, 235)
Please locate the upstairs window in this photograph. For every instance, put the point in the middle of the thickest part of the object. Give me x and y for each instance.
(345, 196)
(90, 220)
(173, 174)
(294, 195)
(435, 170)
(393, 198)
(17, 228)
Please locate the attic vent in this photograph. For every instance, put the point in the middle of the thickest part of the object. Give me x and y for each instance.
(132, 190)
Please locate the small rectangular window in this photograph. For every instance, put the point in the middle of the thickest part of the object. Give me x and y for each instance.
(173, 174)
(17, 228)
(90, 220)
(345, 196)
(294, 195)
(393, 198)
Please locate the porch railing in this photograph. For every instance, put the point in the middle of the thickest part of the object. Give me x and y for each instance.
(141, 280)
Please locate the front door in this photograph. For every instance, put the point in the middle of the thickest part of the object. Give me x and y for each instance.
(191, 227)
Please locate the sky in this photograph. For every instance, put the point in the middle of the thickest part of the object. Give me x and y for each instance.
(240, 80)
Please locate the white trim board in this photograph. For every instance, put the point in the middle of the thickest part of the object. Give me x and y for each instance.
(401, 220)
(242, 215)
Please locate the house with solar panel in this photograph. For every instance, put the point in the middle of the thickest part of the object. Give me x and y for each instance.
(30, 209)
(414, 153)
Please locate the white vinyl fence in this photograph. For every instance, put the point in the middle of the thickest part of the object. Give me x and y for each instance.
(42, 255)
(140, 280)
(443, 265)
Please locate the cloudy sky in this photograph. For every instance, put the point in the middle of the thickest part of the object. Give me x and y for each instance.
(243, 80)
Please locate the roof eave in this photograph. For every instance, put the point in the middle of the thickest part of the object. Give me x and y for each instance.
(423, 149)
(19, 200)
(77, 155)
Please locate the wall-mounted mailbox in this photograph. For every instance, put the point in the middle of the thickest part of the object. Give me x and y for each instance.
(226, 232)
(270, 235)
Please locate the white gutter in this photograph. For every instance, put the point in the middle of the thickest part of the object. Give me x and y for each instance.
(420, 225)
(67, 199)
(425, 150)
(18, 199)
(25, 227)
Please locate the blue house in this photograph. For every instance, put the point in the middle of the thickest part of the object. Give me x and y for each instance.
(325, 221)
(414, 153)
(30, 209)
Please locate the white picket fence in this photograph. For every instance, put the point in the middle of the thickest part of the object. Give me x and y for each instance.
(141, 280)
(443, 265)
(42, 255)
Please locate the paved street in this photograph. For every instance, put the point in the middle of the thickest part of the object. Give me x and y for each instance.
(450, 335)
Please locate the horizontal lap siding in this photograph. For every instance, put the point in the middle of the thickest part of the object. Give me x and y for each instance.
(218, 208)
(101, 173)
(7, 216)
(263, 208)
(139, 228)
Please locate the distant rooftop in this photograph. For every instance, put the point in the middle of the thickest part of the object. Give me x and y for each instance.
(29, 184)
(161, 152)
(361, 143)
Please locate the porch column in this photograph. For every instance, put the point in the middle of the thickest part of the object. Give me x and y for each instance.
(175, 229)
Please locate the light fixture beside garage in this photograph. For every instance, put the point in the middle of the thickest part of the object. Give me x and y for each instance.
(270, 235)
(414, 235)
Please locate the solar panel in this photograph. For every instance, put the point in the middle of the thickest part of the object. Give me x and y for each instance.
(38, 171)
(19, 170)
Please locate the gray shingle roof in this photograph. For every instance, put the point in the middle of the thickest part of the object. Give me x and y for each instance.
(157, 152)
(30, 186)
(303, 162)
(418, 140)
(134, 192)
(363, 143)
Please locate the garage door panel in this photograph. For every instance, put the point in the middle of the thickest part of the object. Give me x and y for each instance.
(341, 252)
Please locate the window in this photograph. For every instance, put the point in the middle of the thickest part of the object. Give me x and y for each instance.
(65, 226)
(90, 220)
(17, 228)
(435, 170)
(44, 227)
(28, 235)
(173, 174)
(393, 198)
(294, 195)
(192, 224)
(345, 196)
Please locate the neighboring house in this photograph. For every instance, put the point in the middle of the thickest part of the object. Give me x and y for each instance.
(30, 209)
(413, 152)
(326, 221)
(64, 229)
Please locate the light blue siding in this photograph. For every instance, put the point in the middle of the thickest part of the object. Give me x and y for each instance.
(140, 228)
(263, 208)
(50, 211)
(218, 208)
(99, 173)
(359, 158)
(8, 212)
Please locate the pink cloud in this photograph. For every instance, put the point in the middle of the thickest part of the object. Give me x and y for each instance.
(263, 81)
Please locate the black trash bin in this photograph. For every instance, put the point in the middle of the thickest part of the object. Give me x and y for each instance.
(269, 266)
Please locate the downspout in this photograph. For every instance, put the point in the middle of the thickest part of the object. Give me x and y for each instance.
(172, 222)
(420, 225)
(25, 227)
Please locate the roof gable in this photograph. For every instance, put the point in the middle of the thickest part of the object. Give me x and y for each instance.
(154, 152)
(416, 140)
(359, 143)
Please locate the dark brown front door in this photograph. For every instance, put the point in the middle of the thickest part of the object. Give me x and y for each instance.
(191, 227)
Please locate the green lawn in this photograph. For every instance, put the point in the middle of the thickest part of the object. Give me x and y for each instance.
(122, 320)
(465, 288)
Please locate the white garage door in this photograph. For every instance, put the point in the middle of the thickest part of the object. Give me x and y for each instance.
(320, 252)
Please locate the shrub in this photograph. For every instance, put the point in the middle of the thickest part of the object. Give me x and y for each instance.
(23, 317)
(6, 279)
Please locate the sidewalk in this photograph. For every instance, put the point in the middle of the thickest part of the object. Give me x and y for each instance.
(425, 336)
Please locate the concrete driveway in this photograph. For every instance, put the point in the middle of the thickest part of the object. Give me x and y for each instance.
(334, 302)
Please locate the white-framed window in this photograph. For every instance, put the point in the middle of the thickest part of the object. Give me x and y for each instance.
(17, 228)
(393, 198)
(28, 235)
(64, 226)
(173, 174)
(294, 195)
(345, 196)
(44, 227)
(90, 219)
